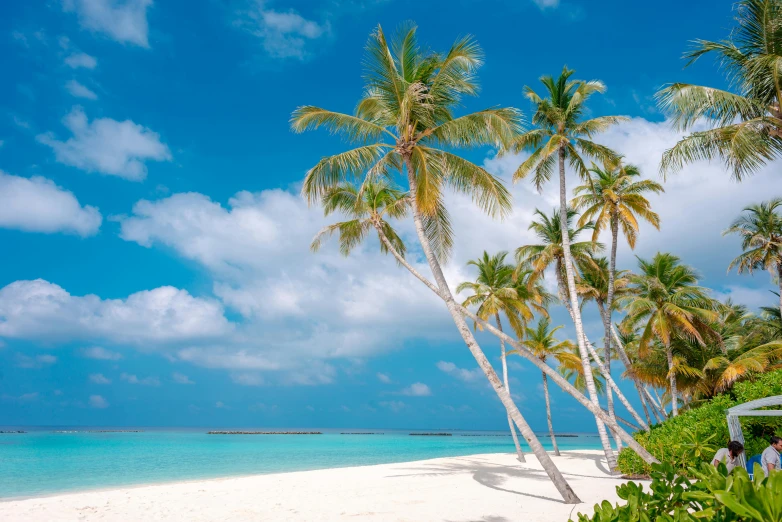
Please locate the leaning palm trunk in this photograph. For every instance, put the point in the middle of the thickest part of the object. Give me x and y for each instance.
(607, 318)
(642, 393)
(554, 474)
(507, 387)
(548, 415)
(672, 380)
(779, 280)
(524, 352)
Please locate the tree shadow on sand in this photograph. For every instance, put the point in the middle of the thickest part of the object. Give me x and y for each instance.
(494, 476)
(489, 518)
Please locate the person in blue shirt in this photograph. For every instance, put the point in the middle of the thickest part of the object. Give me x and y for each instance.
(769, 459)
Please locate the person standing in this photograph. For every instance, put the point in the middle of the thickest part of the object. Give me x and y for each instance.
(769, 459)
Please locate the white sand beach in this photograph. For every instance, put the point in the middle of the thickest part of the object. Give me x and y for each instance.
(486, 488)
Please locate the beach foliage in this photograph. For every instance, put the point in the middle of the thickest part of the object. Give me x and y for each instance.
(713, 494)
(679, 441)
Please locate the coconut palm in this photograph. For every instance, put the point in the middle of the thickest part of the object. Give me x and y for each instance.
(366, 210)
(541, 341)
(746, 123)
(562, 134)
(760, 229)
(405, 124)
(494, 292)
(614, 198)
(669, 304)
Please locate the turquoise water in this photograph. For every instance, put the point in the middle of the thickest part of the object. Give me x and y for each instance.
(44, 462)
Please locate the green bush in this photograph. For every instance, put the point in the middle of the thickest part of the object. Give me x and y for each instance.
(715, 495)
(675, 441)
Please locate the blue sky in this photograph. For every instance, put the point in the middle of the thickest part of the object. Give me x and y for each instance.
(156, 267)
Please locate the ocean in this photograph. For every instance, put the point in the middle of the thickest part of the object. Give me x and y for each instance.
(46, 461)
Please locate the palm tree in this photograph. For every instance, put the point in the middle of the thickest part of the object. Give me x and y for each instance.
(541, 341)
(494, 292)
(760, 229)
(614, 197)
(562, 134)
(404, 123)
(366, 210)
(670, 305)
(746, 125)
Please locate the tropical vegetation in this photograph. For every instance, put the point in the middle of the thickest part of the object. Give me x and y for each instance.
(688, 354)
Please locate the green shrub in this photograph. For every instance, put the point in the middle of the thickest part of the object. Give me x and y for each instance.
(715, 495)
(675, 441)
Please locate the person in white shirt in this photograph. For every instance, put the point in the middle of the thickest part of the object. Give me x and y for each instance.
(770, 457)
(729, 456)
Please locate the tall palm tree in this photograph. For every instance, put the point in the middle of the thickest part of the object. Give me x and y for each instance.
(562, 134)
(746, 124)
(668, 303)
(404, 123)
(541, 341)
(760, 229)
(494, 291)
(614, 198)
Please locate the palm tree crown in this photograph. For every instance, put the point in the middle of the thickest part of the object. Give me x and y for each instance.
(760, 229)
(746, 130)
(614, 194)
(561, 126)
(405, 120)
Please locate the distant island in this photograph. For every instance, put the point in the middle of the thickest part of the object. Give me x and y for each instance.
(264, 433)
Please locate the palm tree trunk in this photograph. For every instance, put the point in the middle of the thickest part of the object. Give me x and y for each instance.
(607, 320)
(659, 403)
(572, 298)
(779, 280)
(542, 366)
(568, 495)
(548, 415)
(507, 387)
(620, 349)
(672, 378)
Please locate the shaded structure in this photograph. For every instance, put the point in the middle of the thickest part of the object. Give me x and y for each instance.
(750, 409)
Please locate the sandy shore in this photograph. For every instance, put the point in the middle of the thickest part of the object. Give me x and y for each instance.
(488, 488)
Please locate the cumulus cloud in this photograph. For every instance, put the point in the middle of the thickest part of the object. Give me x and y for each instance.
(394, 406)
(77, 60)
(37, 204)
(180, 378)
(460, 373)
(98, 402)
(122, 20)
(283, 34)
(417, 389)
(382, 377)
(39, 361)
(133, 379)
(42, 310)
(97, 352)
(80, 91)
(247, 379)
(99, 378)
(547, 4)
(106, 146)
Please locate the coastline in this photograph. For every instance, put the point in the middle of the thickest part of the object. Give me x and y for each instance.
(493, 486)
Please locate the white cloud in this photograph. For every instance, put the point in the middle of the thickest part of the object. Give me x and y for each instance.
(110, 147)
(417, 389)
(96, 401)
(97, 352)
(37, 204)
(394, 406)
(219, 404)
(76, 60)
(247, 379)
(39, 361)
(382, 377)
(80, 91)
(283, 34)
(547, 4)
(133, 379)
(181, 378)
(99, 378)
(123, 20)
(460, 373)
(42, 310)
